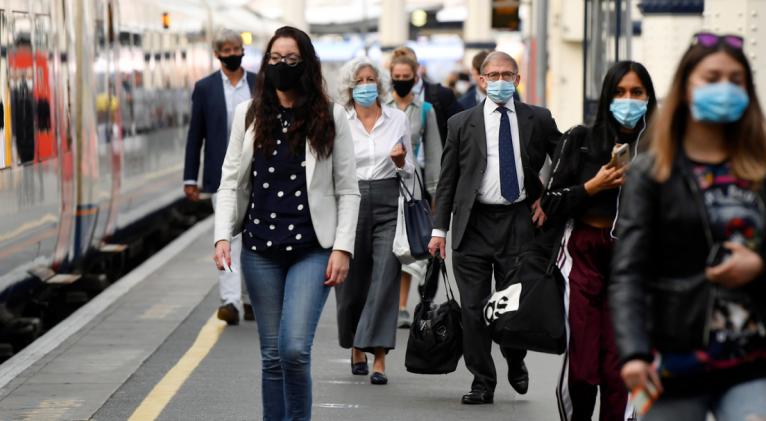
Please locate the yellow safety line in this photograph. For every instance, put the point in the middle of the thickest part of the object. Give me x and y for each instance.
(163, 392)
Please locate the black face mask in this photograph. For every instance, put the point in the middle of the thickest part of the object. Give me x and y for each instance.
(284, 77)
(232, 62)
(403, 87)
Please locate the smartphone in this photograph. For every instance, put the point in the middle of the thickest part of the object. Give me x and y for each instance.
(718, 253)
(620, 155)
(226, 267)
(643, 397)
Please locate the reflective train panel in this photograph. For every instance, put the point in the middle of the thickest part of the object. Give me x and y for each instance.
(95, 102)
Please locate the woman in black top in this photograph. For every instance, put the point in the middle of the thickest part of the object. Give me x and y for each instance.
(688, 293)
(584, 188)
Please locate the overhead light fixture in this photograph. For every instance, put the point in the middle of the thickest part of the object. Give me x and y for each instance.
(247, 37)
(165, 20)
(419, 18)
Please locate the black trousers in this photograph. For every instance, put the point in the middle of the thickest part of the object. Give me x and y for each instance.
(491, 246)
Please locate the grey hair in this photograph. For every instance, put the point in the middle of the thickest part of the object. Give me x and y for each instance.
(226, 36)
(348, 79)
(499, 56)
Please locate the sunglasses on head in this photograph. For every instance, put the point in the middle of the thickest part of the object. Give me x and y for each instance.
(710, 40)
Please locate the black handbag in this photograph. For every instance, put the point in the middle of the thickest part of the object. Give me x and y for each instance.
(529, 313)
(435, 344)
(417, 218)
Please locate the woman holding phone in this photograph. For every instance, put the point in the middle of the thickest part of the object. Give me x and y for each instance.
(688, 292)
(368, 301)
(589, 168)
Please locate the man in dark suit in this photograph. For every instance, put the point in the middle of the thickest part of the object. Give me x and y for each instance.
(490, 188)
(475, 94)
(442, 99)
(213, 102)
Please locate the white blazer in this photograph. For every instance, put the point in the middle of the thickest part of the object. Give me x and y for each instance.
(333, 190)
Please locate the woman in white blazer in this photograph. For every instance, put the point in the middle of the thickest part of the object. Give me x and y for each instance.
(289, 185)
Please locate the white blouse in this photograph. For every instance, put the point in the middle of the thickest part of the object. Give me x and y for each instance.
(373, 150)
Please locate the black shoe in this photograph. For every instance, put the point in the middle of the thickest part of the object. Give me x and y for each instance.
(249, 315)
(359, 369)
(229, 314)
(477, 397)
(518, 377)
(378, 378)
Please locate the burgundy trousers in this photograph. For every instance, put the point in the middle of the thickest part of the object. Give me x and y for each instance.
(593, 359)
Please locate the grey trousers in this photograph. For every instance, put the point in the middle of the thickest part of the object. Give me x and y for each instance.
(368, 302)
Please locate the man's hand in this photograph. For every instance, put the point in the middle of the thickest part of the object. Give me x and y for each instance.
(438, 244)
(192, 192)
(538, 216)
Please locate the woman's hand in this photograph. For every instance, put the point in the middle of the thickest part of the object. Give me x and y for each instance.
(608, 177)
(222, 254)
(397, 155)
(739, 269)
(337, 268)
(637, 373)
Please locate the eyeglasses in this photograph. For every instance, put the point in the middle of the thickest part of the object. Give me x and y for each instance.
(710, 40)
(291, 60)
(495, 76)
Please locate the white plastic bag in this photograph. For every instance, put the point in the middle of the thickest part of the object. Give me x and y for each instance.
(401, 246)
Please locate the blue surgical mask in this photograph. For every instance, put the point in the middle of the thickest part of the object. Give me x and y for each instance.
(627, 112)
(365, 94)
(500, 91)
(722, 102)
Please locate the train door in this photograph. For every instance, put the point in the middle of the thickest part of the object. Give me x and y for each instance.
(608, 34)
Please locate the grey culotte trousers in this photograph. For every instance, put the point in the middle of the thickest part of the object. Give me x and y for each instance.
(368, 302)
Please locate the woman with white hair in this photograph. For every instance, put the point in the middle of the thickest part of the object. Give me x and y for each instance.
(368, 301)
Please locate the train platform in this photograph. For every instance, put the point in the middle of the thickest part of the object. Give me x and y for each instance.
(150, 347)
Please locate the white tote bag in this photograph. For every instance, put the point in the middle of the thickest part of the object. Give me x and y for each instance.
(401, 246)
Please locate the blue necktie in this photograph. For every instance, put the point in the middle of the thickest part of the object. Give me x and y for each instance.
(509, 183)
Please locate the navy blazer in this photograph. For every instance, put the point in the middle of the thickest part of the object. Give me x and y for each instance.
(208, 127)
(468, 99)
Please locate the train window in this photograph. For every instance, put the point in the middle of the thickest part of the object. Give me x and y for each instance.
(5, 133)
(43, 93)
(22, 88)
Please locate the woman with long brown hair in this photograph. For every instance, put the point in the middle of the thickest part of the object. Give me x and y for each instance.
(688, 292)
(289, 185)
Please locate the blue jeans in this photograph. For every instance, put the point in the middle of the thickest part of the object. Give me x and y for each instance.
(742, 402)
(287, 293)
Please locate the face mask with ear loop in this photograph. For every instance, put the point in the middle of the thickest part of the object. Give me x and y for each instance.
(619, 191)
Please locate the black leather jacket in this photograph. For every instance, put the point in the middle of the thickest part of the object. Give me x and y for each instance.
(658, 294)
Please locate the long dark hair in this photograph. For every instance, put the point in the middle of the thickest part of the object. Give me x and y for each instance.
(605, 127)
(746, 138)
(312, 115)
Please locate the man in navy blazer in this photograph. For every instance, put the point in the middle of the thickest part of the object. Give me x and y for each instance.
(213, 102)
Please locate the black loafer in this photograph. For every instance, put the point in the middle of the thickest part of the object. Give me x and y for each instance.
(518, 377)
(249, 314)
(359, 369)
(378, 378)
(477, 397)
(229, 314)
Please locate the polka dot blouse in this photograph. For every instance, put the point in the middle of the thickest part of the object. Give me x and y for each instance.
(278, 217)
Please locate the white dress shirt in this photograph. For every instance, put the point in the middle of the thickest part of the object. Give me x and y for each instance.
(373, 149)
(235, 95)
(489, 190)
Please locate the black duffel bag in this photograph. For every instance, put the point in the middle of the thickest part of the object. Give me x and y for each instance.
(435, 344)
(529, 313)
